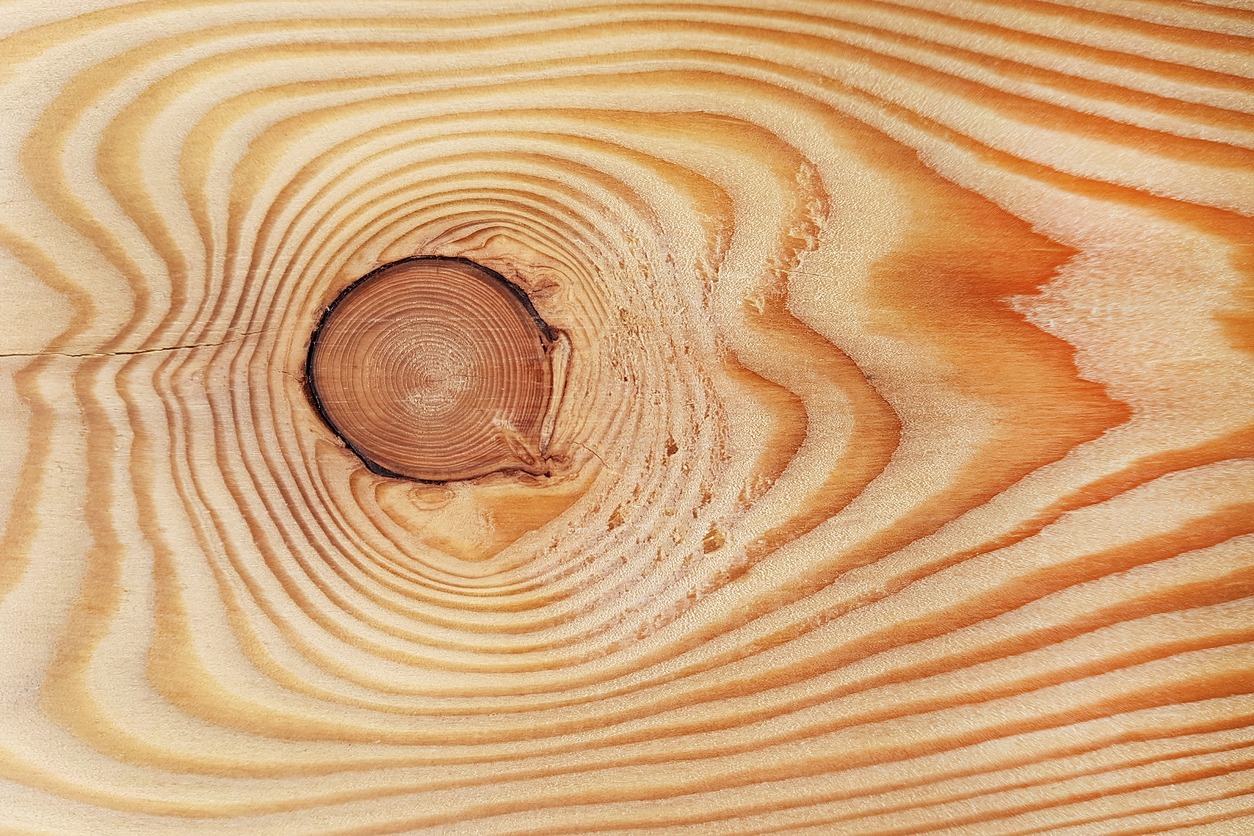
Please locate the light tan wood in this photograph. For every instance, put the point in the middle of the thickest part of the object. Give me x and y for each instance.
(902, 472)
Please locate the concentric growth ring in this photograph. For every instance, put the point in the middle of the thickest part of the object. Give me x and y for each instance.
(434, 369)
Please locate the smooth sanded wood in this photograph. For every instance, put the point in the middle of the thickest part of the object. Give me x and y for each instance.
(899, 478)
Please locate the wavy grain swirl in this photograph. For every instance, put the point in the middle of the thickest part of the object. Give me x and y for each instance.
(902, 480)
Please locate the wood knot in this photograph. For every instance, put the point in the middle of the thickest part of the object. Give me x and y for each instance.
(435, 369)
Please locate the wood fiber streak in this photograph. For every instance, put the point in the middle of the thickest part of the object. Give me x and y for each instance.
(885, 463)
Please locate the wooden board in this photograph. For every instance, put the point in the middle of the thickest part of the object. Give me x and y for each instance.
(902, 476)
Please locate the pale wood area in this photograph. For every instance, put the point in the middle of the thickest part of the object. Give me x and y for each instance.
(906, 419)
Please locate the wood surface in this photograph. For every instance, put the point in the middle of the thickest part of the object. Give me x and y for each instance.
(906, 407)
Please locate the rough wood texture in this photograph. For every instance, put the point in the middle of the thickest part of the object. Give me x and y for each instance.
(908, 412)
